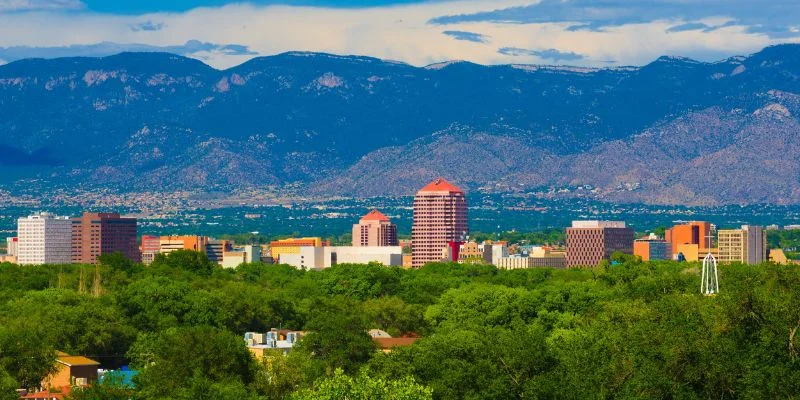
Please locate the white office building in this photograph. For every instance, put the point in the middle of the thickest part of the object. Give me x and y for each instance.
(327, 256)
(44, 239)
(242, 255)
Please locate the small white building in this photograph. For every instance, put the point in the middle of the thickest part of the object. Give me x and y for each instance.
(309, 257)
(241, 255)
(44, 239)
(499, 251)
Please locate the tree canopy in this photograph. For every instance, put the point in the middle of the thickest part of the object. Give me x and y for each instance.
(629, 329)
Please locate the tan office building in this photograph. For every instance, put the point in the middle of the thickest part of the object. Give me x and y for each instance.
(374, 229)
(747, 245)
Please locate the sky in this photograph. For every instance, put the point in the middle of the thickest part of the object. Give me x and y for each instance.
(224, 33)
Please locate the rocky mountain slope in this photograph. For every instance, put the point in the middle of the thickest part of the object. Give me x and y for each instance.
(673, 131)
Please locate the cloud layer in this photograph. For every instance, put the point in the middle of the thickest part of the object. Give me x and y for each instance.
(776, 19)
(580, 32)
(190, 48)
(468, 36)
(40, 5)
(554, 55)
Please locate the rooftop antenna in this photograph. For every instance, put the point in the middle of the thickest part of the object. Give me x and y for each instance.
(709, 284)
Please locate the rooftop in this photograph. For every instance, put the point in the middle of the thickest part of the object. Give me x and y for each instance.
(388, 343)
(441, 185)
(375, 215)
(73, 361)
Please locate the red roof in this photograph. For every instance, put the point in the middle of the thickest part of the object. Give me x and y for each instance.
(48, 395)
(388, 343)
(375, 215)
(441, 185)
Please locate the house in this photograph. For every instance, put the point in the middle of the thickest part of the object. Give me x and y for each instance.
(71, 371)
(273, 341)
(386, 345)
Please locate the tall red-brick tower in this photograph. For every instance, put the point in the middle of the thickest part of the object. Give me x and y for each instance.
(440, 217)
(95, 234)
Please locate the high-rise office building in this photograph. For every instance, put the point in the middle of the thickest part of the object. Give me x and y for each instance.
(44, 239)
(589, 242)
(747, 245)
(95, 234)
(440, 217)
(374, 229)
(695, 232)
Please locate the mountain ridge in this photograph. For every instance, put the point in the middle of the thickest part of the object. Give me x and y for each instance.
(134, 120)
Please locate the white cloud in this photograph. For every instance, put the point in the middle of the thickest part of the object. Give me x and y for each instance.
(397, 32)
(39, 5)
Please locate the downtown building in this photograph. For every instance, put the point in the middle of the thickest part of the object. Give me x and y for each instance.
(374, 229)
(44, 239)
(589, 242)
(747, 245)
(652, 249)
(440, 218)
(95, 234)
(691, 237)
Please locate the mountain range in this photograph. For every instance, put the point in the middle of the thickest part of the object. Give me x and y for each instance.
(675, 131)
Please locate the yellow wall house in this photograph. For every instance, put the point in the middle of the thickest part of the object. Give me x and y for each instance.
(72, 371)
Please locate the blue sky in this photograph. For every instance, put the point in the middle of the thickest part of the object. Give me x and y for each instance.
(576, 32)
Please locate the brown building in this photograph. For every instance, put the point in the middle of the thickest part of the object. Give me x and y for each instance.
(589, 242)
(387, 345)
(168, 244)
(374, 229)
(215, 250)
(472, 252)
(695, 232)
(440, 217)
(95, 234)
(151, 245)
(652, 249)
(71, 371)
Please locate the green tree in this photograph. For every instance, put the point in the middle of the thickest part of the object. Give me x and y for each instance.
(111, 387)
(341, 386)
(191, 362)
(192, 261)
(8, 386)
(337, 335)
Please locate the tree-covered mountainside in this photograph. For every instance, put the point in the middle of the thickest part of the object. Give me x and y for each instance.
(628, 330)
(673, 131)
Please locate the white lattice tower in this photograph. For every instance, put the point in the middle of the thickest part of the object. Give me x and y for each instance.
(709, 284)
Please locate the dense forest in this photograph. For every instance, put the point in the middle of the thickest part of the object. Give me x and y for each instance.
(625, 330)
